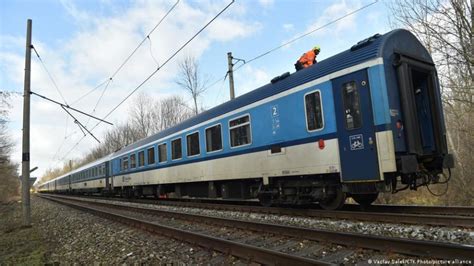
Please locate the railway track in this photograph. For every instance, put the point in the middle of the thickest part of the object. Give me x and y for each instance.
(385, 244)
(379, 213)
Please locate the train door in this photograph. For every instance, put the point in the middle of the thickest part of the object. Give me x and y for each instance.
(107, 176)
(355, 127)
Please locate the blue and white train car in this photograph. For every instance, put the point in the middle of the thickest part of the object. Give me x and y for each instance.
(90, 178)
(356, 124)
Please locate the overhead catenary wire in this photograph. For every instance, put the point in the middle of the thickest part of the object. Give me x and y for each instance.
(166, 62)
(153, 73)
(305, 34)
(69, 107)
(89, 92)
(109, 80)
(49, 74)
(131, 54)
(244, 62)
(81, 126)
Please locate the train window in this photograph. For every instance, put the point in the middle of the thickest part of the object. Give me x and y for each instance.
(351, 102)
(141, 158)
(176, 150)
(192, 142)
(214, 138)
(124, 163)
(240, 133)
(133, 161)
(314, 111)
(162, 153)
(151, 155)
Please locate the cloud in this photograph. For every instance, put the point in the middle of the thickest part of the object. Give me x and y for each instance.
(253, 78)
(329, 14)
(288, 27)
(266, 3)
(92, 54)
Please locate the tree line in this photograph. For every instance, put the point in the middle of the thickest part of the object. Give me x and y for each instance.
(9, 181)
(445, 27)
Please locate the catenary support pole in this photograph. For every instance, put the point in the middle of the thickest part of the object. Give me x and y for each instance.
(231, 75)
(25, 162)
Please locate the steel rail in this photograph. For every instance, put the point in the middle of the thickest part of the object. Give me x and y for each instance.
(248, 252)
(389, 244)
(392, 217)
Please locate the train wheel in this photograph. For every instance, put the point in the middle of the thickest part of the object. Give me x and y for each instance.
(365, 200)
(335, 202)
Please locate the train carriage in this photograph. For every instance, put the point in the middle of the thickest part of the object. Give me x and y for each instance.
(365, 121)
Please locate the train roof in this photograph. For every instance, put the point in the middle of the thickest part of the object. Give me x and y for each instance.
(377, 46)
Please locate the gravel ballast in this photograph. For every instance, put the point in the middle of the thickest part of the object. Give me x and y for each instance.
(69, 236)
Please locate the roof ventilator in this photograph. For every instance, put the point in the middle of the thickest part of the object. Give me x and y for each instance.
(365, 42)
(281, 77)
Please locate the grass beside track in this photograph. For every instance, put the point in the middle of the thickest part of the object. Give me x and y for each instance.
(20, 245)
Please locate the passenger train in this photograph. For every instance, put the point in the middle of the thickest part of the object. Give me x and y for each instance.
(362, 122)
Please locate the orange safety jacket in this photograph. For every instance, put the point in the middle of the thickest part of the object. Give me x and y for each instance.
(308, 58)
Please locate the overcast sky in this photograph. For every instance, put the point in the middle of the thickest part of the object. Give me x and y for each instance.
(83, 42)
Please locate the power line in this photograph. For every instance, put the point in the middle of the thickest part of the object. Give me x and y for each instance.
(167, 60)
(306, 34)
(89, 92)
(49, 74)
(130, 55)
(144, 39)
(107, 81)
(69, 107)
(154, 72)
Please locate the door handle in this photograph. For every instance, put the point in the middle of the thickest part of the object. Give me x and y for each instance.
(371, 141)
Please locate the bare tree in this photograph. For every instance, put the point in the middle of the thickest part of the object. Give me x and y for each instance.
(9, 182)
(141, 115)
(191, 80)
(146, 117)
(446, 29)
(172, 111)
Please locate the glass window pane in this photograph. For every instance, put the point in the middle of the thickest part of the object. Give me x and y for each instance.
(124, 163)
(214, 138)
(151, 155)
(192, 142)
(240, 131)
(141, 158)
(133, 161)
(162, 153)
(351, 101)
(176, 150)
(314, 114)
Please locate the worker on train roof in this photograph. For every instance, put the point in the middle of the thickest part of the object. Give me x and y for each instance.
(308, 58)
